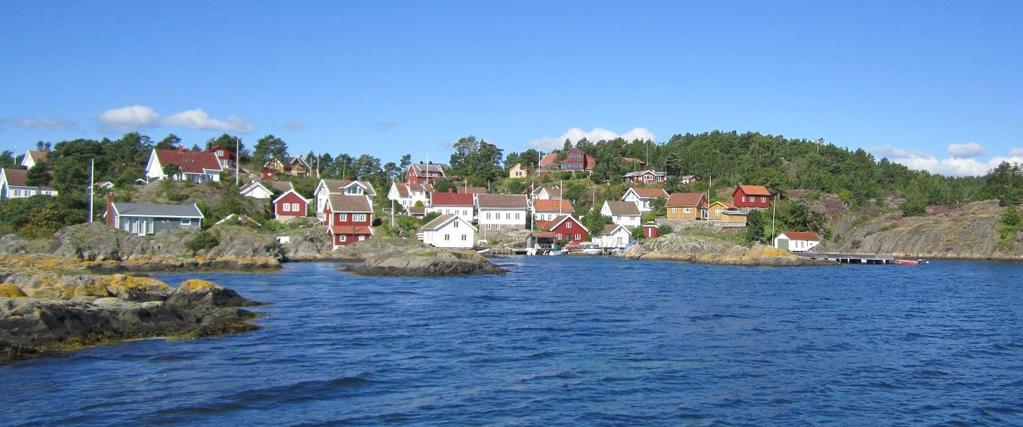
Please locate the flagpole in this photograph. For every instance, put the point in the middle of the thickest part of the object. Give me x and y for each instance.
(92, 185)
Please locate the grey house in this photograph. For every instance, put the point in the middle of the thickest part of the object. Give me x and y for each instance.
(150, 218)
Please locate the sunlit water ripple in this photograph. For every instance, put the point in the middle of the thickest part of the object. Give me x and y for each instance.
(571, 341)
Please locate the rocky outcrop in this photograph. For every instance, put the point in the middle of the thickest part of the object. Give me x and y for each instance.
(239, 242)
(426, 263)
(712, 250)
(55, 309)
(307, 244)
(12, 244)
(969, 232)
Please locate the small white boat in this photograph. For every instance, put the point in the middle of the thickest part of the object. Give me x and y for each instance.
(590, 248)
(556, 252)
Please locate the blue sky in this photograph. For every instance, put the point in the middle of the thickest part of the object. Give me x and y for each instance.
(934, 84)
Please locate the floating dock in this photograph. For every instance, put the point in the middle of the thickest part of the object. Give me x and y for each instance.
(850, 258)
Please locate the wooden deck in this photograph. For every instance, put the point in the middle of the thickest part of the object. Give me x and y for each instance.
(849, 258)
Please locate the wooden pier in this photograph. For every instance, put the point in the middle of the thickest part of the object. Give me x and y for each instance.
(850, 258)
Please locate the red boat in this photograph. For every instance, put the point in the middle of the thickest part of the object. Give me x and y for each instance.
(907, 262)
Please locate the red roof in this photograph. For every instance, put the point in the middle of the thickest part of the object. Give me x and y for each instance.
(342, 203)
(754, 190)
(189, 161)
(350, 229)
(685, 200)
(16, 177)
(650, 193)
(451, 199)
(549, 159)
(802, 235)
(560, 206)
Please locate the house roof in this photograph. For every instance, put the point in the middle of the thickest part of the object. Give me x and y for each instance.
(609, 229)
(472, 190)
(251, 185)
(685, 200)
(154, 209)
(228, 153)
(443, 220)
(343, 203)
(802, 235)
(649, 193)
(416, 210)
(502, 201)
(451, 199)
(289, 160)
(282, 186)
(17, 177)
(338, 185)
(641, 173)
(562, 218)
(727, 205)
(290, 191)
(754, 190)
(622, 208)
(633, 160)
(38, 155)
(350, 229)
(552, 190)
(189, 161)
(555, 205)
(549, 159)
(423, 168)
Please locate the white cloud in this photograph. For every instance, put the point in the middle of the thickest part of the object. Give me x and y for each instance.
(132, 117)
(198, 119)
(385, 126)
(594, 135)
(37, 123)
(965, 151)
(962, 160)
(294, 124)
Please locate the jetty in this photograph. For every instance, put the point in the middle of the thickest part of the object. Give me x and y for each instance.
(849, 258)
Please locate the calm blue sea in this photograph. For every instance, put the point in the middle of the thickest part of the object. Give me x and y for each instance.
(569, 341)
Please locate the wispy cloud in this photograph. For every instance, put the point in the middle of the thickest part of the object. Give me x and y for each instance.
(294, 124)
(37, 123)
(385, 126)
(135, 117)
(962, 161)
(595, 134)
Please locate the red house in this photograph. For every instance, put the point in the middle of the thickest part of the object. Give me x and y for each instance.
(349, 219)
(566, 227)
(290, 205)
(751, 196)
(224, 156)
(425, 173)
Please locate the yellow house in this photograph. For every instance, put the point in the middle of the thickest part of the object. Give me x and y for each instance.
(687, 206)
(517, 171)
(726, 214)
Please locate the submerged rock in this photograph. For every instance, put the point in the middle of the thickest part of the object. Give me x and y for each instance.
(426, 263)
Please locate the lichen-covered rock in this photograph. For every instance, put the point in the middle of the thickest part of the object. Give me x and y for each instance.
(426, 263)
(12, 244)
(10, 291)
(243, 242)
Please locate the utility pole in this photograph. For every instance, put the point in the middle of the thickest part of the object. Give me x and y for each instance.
(92, 185)
(237, 159)
(774, 210)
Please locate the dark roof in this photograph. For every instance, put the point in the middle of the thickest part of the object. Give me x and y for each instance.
(610, 228)
(685, 200)
(451, 199)
(189, 161)
(422, 168)
(16, 177)
(282, 186)
(154, 209)
(336, 185)
(502, 201)
(39, 155)
(621, 208)
(342, 203)
(641, 173)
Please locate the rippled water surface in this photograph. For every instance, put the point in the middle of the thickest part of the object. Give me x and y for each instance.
(565, 340)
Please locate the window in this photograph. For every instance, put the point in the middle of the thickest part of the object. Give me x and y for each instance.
(488, 217)
(674, 210)
(361, 238)
(744, 198)
(294, 207)
(186, 221)
(455, 224)
(286, 207)
(342, 217)
(517, 215)
(488, 227)
(17, 192)
(763, 199)
(358, 217)
(447, 237)
(578, 236)
(559, 236)
(688, 210)
(507, 215)
(343, 238)
(568, 224)
(464, 238)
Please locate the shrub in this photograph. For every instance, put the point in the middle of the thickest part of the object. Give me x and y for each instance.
(202, 241)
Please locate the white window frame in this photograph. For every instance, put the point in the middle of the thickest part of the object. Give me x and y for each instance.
(286, 208)
(185, 221)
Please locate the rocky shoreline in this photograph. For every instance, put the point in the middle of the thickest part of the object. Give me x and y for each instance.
(48, 305)
(711, 250)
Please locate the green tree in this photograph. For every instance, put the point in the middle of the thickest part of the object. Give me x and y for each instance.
(38, 175)
(755, 225)
(171, 170)
(171, 142)
(269, 147)
(7, 159)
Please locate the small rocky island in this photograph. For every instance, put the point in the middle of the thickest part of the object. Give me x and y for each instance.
(49, 304)
(397, 257)
(712, 250)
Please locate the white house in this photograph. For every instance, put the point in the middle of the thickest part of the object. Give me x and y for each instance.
(797, 241)
(149, 218)
(451, 203)
(326, 187)
(614, 236)
(14, 185)
(501, 211)
(547, 210)
(449, 231)
(255, 190)
(196, 166)
(622, 213)
(32, 157)
(643, 197)
(406, 195)
(546, 192)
